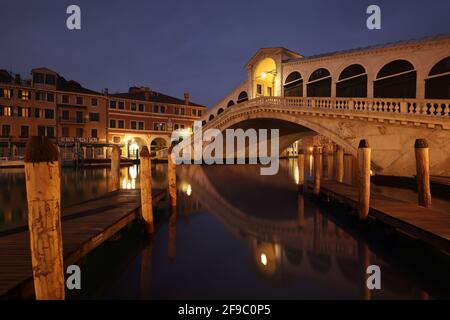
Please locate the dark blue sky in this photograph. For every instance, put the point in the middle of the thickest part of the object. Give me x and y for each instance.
(198, 46)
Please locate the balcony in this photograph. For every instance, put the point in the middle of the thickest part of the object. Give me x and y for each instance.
(72, 120)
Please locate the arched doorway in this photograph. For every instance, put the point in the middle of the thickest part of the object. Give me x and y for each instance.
(158, 144)
(397, 79)
(319, 83)
(243, 96)
(352, 82)
(437, 86)
(134, 147)
(264, 78)
(293, 86)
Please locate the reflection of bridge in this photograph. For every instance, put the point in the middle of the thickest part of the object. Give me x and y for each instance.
(308, 244)
(390, 95)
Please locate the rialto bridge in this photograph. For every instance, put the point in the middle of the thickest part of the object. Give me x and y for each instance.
(390, 95)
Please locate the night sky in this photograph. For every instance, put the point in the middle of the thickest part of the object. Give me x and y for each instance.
(174, 46)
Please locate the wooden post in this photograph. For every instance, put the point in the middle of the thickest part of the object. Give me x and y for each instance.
(172, 177)
(340, 164)
(115, 168)
(172, 245)
(42, 177)
(301, 169)
(146, 190)
(364, 261)
(317, 169)
(364, 153)
(423, 173)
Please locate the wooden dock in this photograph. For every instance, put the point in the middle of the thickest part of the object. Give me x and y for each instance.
(85, 226)
(430, 226)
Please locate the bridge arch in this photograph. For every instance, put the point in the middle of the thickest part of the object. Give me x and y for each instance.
(437, 85)
(396, 79)
(293, 85)
(230, 103)
(319, 83)
(352, 82)
(243, 96)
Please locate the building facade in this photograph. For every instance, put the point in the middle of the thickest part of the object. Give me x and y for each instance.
(84, 123)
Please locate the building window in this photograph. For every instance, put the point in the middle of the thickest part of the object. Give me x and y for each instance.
(159, 126)
(38, 77)
(176, 126)
(6, 130)
(94, 116)
(182, 111)
(79, 100)
(37, 113)
(24, 94)
(121, 124)
(141, 107)
(199, 113)
(94, 133)
(112, 123)
(23, 112)
(176, 110)
(113, 104)
(140, 125)
(50, 132)
(65, 115)
(259, 89)
(121, 105)
(49, 114)
(50, 97)
(116, 139)
(65, 99)
(65, 132)
(155, 108)
(24, 131)
(133, 107)
(133, 125)
(79, 133)
(39, 96)
(269, 91)
(5, 111)
(6, 93)
(94, 102)
(41, 131)
(194, 112)
(50, 79)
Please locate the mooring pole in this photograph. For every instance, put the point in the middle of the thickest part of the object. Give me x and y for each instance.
(364, 154)
(317, 169)
(301, 169)
(115, 168)
(340, 164)
(172, 177)
(43, 185)
(423, 172)
(146, 189)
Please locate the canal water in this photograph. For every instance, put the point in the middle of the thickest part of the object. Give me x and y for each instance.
(237, 234)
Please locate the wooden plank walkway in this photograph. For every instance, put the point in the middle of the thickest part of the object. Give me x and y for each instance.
(84, 227)
(428, 225)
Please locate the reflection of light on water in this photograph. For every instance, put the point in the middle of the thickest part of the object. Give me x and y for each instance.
(189, 190)
(310, 164)
(130, 181)
(264, 259)
(296, 174)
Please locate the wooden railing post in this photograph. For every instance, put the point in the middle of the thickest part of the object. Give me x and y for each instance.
(146, 190)
(301, 169)
(42, 177)
(340, 164)
(317, 169)
(364, 154)
(423, 172)
(115, 168)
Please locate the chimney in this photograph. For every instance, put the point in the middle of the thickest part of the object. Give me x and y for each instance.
(186, 98)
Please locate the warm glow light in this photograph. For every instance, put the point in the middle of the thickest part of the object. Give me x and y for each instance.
(310, 149)
(296, 175)
(133, 172)
(264, 75)
(263, 259)
(124, 183)
(189, 190)
(371, 172)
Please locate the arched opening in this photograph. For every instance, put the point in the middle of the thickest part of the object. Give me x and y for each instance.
(397, 79)
(319, 84)
(220, 111)
(203, 122)
(264, 78)
(157, 144)
(230, 103)
(352, 82)
(437, 86)
(293, 86)
(211, 117)
(134, 147)
(243, 96)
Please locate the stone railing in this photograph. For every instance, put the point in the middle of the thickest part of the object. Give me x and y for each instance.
(414, 110)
